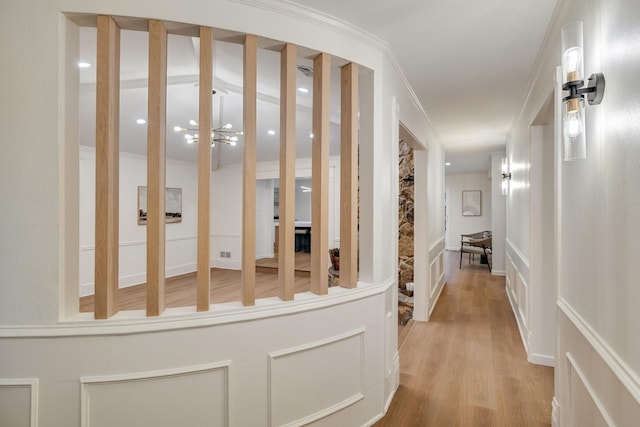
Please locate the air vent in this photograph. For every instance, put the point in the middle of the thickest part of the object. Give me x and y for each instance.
(306, 70)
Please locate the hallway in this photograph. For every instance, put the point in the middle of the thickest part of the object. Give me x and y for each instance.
(467, 365)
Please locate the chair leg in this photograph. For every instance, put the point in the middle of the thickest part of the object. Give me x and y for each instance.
(460, 258)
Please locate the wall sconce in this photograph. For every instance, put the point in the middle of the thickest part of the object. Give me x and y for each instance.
(575, 146)
(506, 176)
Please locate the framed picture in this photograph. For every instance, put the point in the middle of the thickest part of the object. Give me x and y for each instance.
(172, 205)
(472, 203)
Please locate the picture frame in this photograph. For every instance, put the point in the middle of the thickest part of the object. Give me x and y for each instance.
(471, 203)
(172, 205)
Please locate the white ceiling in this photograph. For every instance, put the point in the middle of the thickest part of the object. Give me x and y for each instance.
(468, 62)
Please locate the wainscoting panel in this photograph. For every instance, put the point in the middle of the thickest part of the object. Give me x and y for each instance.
(597, 387)
(517, 288)
(585, 408)
(310, 382)
(194, 395)
(19, 402)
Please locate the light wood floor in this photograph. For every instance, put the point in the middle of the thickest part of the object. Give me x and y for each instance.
(180, 291)
(467, 366)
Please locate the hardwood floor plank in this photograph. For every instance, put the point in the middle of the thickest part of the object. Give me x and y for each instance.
(467, 365)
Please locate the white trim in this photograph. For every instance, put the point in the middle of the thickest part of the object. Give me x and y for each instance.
(32, 383)
(521, 328)
(555, 412)
(592, 393)
(434, 301)
(334, 24)
(619, 367)
(516, 250)
(135, 321)
(542, 359)
(226, 264)
(502, 273)
(150, 375)
(310, 346)
(139, 243)
(87, 289)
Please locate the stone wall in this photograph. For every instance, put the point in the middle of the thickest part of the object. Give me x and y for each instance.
(405, 212)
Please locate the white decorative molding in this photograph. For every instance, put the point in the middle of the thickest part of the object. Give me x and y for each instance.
(316, 17)
(502, 273)
(332, 23)
(542, 359)
(592, 393)
(619, 367)
(434, 300)
(523, 290)
(555, 412)
(140, 242)
(521, 262)
(227, 264)
(32, 385)
(521, 328)
(140, 278)
(134, 321)
(87, 382)
(316, 346)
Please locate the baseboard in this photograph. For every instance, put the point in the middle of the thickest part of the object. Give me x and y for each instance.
(498, 273)
(226, 264)
(140, 278)
(542, 359)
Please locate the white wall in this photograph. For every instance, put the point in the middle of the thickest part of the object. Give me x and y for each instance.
(458, 224)
(598, 222)
(39, 261)
(498, 217)
(180, 237)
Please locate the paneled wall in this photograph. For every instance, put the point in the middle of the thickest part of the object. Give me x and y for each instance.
(597, 378)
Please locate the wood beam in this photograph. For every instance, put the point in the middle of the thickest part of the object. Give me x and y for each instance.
(249, 172)
(320, 174)
(156, 166)
(204, 168)
(286, 238)
(349, 177)
(107, 167)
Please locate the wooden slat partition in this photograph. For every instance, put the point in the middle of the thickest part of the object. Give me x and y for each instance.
(156, 166)
(249, 172)
(286, 239)
(320, 175)
(349, 177)
(107, 167)
(204, 168)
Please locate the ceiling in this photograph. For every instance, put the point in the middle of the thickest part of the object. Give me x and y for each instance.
(467, 61)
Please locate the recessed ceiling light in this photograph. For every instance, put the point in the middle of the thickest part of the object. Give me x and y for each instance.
(311, 135)
(141, 121)
(271, 132)
(303, 90)
(83, 65)
(447, 164)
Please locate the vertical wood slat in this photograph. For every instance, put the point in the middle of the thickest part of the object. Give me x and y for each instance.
(204, 168)
(286, 238)
(249, 172)
(349, 177)
(156, 167)
(320, 175)
(107, 167)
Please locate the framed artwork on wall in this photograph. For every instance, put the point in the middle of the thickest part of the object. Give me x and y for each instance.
(172, 205)
(471, 203)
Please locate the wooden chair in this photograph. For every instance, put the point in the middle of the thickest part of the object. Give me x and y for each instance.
(476, 244)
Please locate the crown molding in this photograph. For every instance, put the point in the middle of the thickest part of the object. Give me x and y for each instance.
(332, 23)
